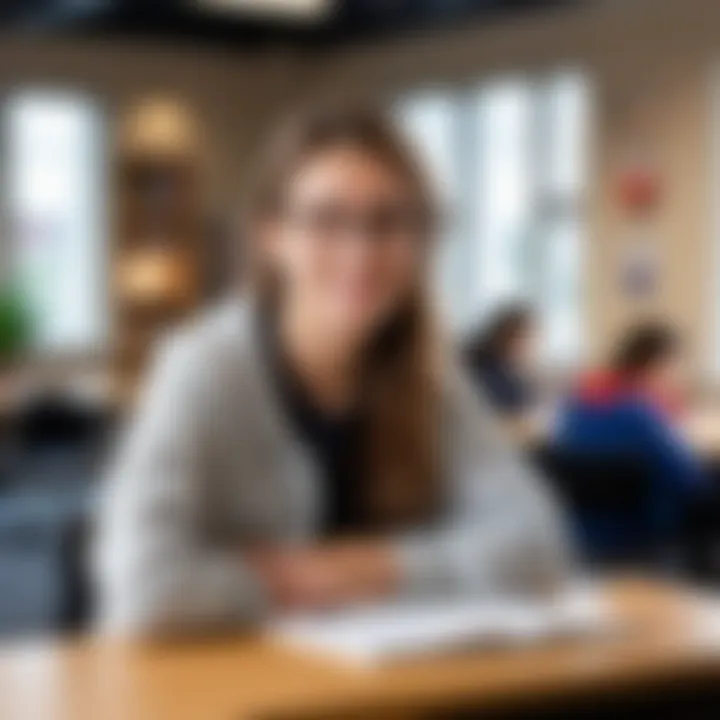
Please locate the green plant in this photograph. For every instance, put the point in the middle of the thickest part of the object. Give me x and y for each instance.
(15, 323)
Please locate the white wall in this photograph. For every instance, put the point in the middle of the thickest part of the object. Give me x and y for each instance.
(651, 63)
(233, 94)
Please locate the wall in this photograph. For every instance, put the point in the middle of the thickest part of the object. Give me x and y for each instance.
(651, 64)
(232, 94)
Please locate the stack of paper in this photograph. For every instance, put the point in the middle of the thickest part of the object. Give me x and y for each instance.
(374, 634)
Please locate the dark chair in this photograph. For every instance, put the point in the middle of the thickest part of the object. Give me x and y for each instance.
(42, 559)
(54, 421)
(58, 451)
(613, 487)
(75, 602)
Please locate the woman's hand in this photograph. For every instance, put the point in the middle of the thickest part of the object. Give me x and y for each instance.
(326, 576)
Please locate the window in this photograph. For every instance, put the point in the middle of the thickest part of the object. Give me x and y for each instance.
(510, 157)
(430, 121)
(53, 175)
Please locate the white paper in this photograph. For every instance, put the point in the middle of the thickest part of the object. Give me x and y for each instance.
(382, 633)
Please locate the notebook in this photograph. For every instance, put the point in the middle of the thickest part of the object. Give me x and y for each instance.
(389, 632)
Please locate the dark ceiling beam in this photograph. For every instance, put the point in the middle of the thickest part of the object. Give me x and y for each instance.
(352, 21)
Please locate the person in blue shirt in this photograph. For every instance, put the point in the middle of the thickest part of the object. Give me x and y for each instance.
(632, 409)
(499, 356)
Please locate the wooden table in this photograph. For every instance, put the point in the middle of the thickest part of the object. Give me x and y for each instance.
(671, 636)
(701, 431)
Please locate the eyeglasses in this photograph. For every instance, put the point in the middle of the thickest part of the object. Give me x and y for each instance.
(384, 222)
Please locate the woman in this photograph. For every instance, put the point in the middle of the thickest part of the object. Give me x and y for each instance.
(309, 446)
(499, 358)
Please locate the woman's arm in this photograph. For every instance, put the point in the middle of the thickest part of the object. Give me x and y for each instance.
(327, 574)
(502, 531)
(155, 572)
(157, 576)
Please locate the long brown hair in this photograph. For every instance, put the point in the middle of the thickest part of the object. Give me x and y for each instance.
(401, 457)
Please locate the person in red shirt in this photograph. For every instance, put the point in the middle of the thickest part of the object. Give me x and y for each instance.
(632, 408)
(647, 366)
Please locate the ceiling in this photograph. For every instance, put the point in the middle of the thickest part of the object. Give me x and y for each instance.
(255, 23)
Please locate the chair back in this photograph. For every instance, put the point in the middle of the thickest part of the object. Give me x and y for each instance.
(607, 496)
(592, 481)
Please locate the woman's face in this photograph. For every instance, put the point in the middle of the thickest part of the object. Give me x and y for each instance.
(348, 246)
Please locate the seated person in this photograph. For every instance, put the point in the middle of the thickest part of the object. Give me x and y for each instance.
(499, 358)
(630, 409)
(310, 445)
